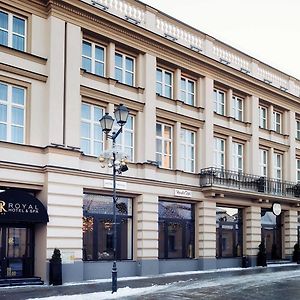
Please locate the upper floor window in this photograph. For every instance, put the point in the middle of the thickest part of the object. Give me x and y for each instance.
(91, 132)
(263, 162)
(219, 153)
(93, 58)
(164, 83)
(124, 68)
(277, 165)
(277, 120)
(298, 170)
(164, 136)
(187, 91)
(187, 150)
(12, 31)
(12, 113)
(125, 141)
(237, 108)
(263, 117)
(237, 155)
(219, 102)
(298, 129)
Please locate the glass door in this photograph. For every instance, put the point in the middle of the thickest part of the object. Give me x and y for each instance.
(16, 252)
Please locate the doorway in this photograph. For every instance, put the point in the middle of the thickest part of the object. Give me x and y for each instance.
(16, 251)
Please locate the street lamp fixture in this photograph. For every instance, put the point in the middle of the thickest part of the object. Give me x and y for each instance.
(119, 165)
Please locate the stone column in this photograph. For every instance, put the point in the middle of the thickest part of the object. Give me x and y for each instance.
(270, 124)
(206, 231)
(177, 83)
(290, 231)
(251, 233)
(176, 147)
(228, 103)
(228, 154)
(110, 69)
(147, 234)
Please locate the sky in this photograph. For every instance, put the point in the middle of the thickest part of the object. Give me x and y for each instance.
(268, 30)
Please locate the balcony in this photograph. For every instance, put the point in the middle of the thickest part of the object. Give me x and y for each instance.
(215, 177)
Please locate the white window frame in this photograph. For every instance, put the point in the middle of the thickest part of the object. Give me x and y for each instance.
(277, 125)
(263, 162)
(237, 158)
(186, 91)
(219, 154)
(123, 68)
(219, 106)
(185, 158)
(298, 129)
(298, 170)
(121, 140)
(163, 139)
(276, 166)
(238, 112)
(10, 29)
(263, 114)
(9, 106)
(92, 124)
(163, 82)
(93, 57)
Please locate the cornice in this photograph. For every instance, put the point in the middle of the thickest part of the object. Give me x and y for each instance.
(232, 132)
(273, 144)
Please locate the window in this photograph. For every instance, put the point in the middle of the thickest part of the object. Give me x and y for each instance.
(12, 31)
(219, 153)
(229, 232)
(91, 132)
(187, 150)
(263, 117)
(298, 170)
(12, 113)
(298, 130)
(263, 162)
(219, 102)
(164, 83)
(176, 230)
(237, 155)
(125, 141)
(187, 91)
(237, 108)
(124, 69)
(98, 233)
(277, 166)
(277, 121)
(164, 138)
(93, 58)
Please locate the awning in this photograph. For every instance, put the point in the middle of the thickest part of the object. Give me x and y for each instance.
(20, 207)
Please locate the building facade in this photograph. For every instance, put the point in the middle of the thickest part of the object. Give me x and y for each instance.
(213, 140)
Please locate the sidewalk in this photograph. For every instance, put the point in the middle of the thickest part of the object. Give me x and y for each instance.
(92, 286)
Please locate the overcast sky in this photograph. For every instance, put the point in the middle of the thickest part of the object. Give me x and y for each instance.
(268, 30)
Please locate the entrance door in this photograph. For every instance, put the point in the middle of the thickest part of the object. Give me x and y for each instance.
(16, 252)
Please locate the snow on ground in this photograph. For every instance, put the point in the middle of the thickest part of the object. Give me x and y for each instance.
(235, 282)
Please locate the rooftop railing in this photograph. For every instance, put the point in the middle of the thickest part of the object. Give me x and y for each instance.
(153, 20)
(215, 177)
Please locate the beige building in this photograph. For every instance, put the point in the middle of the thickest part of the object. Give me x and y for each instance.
(213, 140)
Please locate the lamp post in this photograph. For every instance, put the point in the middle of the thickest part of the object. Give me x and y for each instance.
(118, 166)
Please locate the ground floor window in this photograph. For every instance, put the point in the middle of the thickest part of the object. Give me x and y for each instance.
(176, 230)
(98, 233)
(229, 232)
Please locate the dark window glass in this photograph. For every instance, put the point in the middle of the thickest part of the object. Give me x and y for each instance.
(98, 231)
(176, 230)
(229, 232)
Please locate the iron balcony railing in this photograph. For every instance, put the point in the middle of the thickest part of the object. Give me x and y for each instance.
(236, 180)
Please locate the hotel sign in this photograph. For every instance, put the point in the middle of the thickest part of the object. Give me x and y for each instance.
(120, 185)
(183, 193)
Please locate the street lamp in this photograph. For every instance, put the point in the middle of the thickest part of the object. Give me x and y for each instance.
(119, 165)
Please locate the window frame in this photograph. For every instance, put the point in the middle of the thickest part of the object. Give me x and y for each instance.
(163, 82)
(219, 106)
(263, 123)
(92, 124)
(237, 158)
(10, 32)
(9, 108)
(93, 57)
(263, 162)
(186, 90)
(220, 152)
(297, 129)
(163, 140)
(123, 68)
(277, 125)
(298, 170)
(185, 159)
(278, 167)
(238, 113)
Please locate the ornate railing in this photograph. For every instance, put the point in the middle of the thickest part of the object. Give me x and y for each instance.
(235, 180)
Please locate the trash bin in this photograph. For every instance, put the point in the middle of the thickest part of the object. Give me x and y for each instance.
(245, 263)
